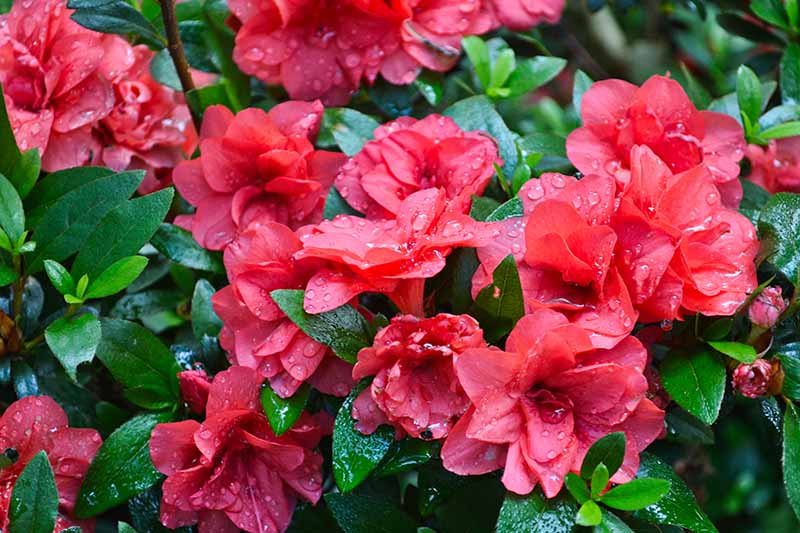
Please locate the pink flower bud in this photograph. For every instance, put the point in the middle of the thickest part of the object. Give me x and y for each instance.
(753, 380)
(767, 307)
(194, 386)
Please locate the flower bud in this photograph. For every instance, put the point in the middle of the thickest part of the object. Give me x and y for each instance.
(10, 341)
(754, 380)
(767, 307)
(194, 386)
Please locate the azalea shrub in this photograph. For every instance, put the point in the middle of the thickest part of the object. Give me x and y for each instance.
(404, 266)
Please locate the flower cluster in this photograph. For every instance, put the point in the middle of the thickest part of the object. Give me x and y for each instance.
(82, 97)
(322, 49)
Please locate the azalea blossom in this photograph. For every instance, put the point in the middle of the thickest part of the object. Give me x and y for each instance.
(415, 387)
(231, 472)
(521, 15)
(256, 164)
(394, 257)
(50, 70)
(776, 167)
(538, 406)
(618, 115)
(256, 333)
(320, 49)
(37, 423)
(408, 155)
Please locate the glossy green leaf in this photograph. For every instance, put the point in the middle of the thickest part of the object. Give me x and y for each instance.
(600, 478)
(789, 356)
(116, 277)
(145, 303)
(59, 277)
(609, 450)
(504, 63)
(533, 73)
(791, 456)
(57, 184)
(12, 215)
(683, 427)
(115, 16)
(748, 93)
(74, 340)
(544, 143)
(404, 455)
(204, 320)
(178, 244)
(429, 84)
(589, 514)
(636, 494)
(744, 353)
(611, 523)
(577, 487)
(696, 382)
(350, 129)
(580, 86)
(790, 73)
(121, 468)
(7, 275)
(770, 11)
(25, 172)
(163, 70)
(8, 143)
(510, 209)
(335, 205)
(34, 499)
(369, 513)
(282, 413)
(536, 514)
(738, 24)
(355, 455)
(779, 226)
(500, 304)
(478, 54)
(343, 329)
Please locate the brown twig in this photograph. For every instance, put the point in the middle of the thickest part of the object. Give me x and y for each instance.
(175, 47)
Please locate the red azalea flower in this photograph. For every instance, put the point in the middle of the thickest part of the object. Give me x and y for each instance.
(50, 73)
(321, 49)
(256, 164)
(37, 423)
(564, 248)
(618, 115)
(256, 333)
(776, 167)
(389, 256)
(520, 15)
(408, 155)
(539, 406)
(230, 472)
(150, 126)
(415, 387)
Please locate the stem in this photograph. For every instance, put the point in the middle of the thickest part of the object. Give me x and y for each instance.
(175, 47)
(19, 287)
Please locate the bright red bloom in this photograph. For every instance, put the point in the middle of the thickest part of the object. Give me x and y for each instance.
(618, 116)
(231, 472)
(256, 333)
(50, 73)
(390, 256)
(321, 49)
(520, 15)
(256, 164)
(776, 167)
(415, 387)
(150, 126)
(408, 155)
(767, 307)
(539, 406)
(37, 423)
(194, 386)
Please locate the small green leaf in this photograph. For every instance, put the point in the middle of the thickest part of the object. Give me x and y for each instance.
(282, 413)
(335, 204)
(744, 353)
(350, 129)
(355, 455)
(343, 329)
(510, 209)
(787, 129)
(609, 450)
(536, 514)
(478, 54)
(577, 487)
(779, 227)
(123, 527)
(748, 93)
(429, 84)
(74, 340)
(80, 287)
(116, 277)
(636, 494)
(580, 86)
(696, 382)
(544, 143)
(34, 499)
(500, 304)
(178, 245)
(589, 514)
(770, 11)
(204, 320)
(791, 456)
(599, 480)
(59, 276)
(533, 73)
(405, 455)
(12, 214)
(8, 143)
(503, 65)
(121, 468)
(7, 275)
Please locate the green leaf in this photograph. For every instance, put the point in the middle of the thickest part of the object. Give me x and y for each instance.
(636, 494)
(122, 233)
(34, 499)
(59, 276)
(609, 450)
(140, 362)
(500, 304)
(25, 172)
(589, 514)
(123, 527)
(204, 320)
(7, 275)
(12, 215)
(8, 143)
(678, 507)
(533, 73)
(74, 340)
(429, 84)
(282, 413)
(369, 513)
(178, 245)
(142, 304)
(335, 205)
(599, 480)
(355, 455)
(69, 220)
(694, 89)
(536, 514)
(510, 209)
(696, 382)
(25, 381)
(405, 455)
(611, 523)
(791, 456)
(544, 143)
(771, 11)
(201, 98)
(504, 64)
(789, 356)
(343, 329)
(683, 427)
(729, 105)
(739, 25)
(779, 226)
(121, 468)
(748, 93)
(577, 487)
(478, 54)
(744, 353)
(115, 16)
(350, 129)
(55, 185)
(478, 113)
(163, 70)
(790, 74)
(116, 277)
(580, 86)
(482, 207)
(787, 129)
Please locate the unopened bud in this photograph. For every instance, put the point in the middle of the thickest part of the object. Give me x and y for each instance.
(755, 379)
(767, 307)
